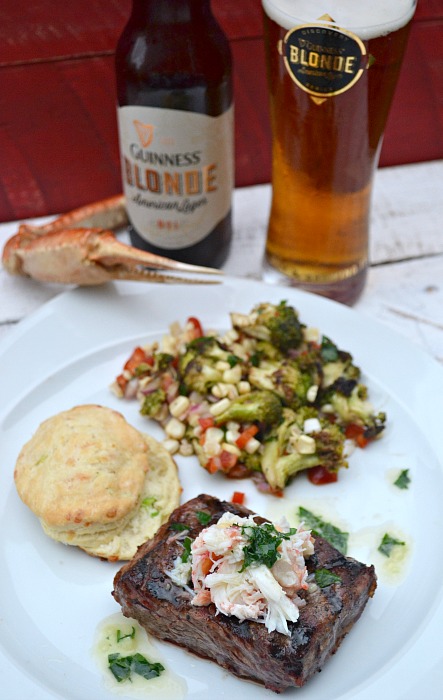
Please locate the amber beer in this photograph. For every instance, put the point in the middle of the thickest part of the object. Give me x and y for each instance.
(331, 80)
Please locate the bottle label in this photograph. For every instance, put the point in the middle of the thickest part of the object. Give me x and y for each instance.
(323, 61)
(178, 172)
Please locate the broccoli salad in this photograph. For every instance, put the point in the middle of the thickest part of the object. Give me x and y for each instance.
(268, 398)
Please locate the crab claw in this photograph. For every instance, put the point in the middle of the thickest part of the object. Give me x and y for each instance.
(77, 248)
(88, 256)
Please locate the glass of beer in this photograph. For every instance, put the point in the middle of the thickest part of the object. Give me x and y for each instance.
(332, 69)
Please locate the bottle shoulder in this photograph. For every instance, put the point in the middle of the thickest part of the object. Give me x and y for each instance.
(172, 49)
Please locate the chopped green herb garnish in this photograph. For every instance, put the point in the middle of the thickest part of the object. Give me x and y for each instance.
(187, 547)
(324, 578)
(388, 543)
(328, 350)
(233, 360)
(329, 532)
(178, 527)
(148, 503)
(255, 359)
(403, 480)
(123, 666)
(262, 547)
(121, 636)
(202, 517)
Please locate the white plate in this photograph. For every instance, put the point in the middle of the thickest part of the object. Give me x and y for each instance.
(53, 597)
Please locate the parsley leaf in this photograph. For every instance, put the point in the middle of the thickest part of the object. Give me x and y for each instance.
(328, 350)
(403, 480)
(388, 543)
(122, 666)
(178, 527)
(329, 532)
(121, 636)
(187, 549)
(324, 578)
(263, 543)
(203, 517)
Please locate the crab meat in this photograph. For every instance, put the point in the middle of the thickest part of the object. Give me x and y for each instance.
(80, 248)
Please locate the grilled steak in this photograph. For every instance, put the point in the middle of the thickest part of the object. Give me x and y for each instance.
(246, 648)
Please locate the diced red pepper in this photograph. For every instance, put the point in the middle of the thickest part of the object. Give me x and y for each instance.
(238, 497)
(138, 357)
(320, 475)
(206, 422)
(355, 432)
(227, 460)
(213, 465)
(245, 436)
(222, 462)
(198, 330)
(122, 382)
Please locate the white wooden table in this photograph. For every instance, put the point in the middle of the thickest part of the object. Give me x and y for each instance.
(405, 285)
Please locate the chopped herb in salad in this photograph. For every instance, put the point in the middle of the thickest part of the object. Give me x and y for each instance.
(268, 398)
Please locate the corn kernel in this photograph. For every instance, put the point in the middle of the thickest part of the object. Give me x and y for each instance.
(175, 429)
(232, 375)
(252, 446)
(222, 365)
(219, 390)
(243, 387)
(171, 445)
(186, 448)
(233, 449)
(178, 406)
(214, 435)
(219, 407)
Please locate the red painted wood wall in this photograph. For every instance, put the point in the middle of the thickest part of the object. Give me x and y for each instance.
(58, 135)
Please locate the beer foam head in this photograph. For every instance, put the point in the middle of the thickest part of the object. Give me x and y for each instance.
(368, 19)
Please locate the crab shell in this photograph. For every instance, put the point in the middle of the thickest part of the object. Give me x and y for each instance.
(80, 248)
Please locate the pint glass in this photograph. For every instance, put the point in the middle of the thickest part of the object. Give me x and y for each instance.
(332, 69)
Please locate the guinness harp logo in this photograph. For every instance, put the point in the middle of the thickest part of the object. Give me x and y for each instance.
(323, 61)
(145, 133)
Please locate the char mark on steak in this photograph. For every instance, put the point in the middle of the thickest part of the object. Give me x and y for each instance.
(246, 649)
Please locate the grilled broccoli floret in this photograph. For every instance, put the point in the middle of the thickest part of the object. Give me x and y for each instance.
(278, 324)
(288, 450)
(198, 365)
(353, 407)
(152, 403)
(255, 407)
(286, 379)
(336, 364)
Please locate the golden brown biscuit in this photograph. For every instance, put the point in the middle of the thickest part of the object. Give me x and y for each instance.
(96, 482)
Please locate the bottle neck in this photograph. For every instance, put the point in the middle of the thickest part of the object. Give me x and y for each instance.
(170, 11)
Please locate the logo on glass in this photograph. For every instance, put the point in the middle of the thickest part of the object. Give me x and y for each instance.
(321, 60)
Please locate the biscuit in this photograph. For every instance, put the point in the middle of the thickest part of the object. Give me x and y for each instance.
(160, 496)
(96, 482)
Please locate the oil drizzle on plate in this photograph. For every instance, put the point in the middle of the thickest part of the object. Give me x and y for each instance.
(119, 634)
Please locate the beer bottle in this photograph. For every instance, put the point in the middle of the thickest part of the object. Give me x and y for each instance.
(175, 119)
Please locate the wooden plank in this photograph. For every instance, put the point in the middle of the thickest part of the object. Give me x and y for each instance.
(414, 130)
(48, 31)
(59, 144)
